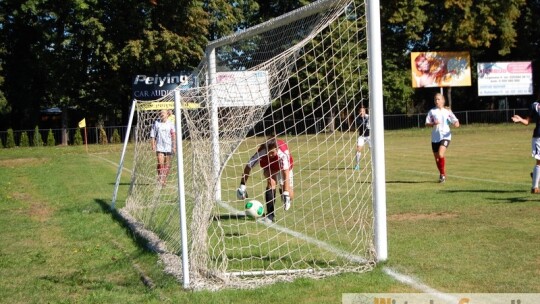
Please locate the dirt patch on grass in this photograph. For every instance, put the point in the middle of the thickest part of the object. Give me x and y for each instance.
(20, 162)
(38, 211)
(421, 216)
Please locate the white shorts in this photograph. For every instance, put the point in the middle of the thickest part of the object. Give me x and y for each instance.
(535, 147)
(281, 180)
(361, 141)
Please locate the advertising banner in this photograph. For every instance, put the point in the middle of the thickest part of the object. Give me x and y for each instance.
(505, 78)
(440, 69)
(242, 88)
(151, 87)
(440, 298)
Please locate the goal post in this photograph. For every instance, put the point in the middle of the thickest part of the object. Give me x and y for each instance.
(377, 107)
(301, 78)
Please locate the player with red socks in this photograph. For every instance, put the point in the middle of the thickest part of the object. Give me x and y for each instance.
(440, 118)
(163, 143)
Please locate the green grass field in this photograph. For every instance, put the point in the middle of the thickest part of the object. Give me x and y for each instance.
(476, 233)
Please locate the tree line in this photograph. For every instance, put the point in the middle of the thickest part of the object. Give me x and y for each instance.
(81, 55)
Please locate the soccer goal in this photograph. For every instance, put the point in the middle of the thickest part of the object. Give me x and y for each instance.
(300, 77)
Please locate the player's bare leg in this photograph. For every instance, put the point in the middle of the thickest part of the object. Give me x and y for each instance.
(536, 178)
(357, 157)
(160, 166)
(166, 169)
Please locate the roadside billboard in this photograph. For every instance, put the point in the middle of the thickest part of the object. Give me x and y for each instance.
(440, 69)
(505, 78)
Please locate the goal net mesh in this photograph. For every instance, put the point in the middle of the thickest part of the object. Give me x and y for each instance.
(301, 78)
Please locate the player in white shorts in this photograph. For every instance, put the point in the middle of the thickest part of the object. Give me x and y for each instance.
(440, 118)
(362, 126)
(163, 138)
(533, 116)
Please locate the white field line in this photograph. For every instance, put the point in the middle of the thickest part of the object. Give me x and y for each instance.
(321, 244)
(468, 178)
(112, 163)
(414, 283)
(402, 278)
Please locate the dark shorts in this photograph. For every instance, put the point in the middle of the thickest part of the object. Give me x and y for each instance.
(435, 146)
(165, 153)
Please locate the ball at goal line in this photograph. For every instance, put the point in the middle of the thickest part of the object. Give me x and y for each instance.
(254, 208)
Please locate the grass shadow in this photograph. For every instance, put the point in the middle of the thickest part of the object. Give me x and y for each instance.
(516, 200)
(220, 217)
(411, 182)
(482, 191)
(115, 215)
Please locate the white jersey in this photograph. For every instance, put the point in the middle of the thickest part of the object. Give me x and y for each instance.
(163, 133)
(441, 131)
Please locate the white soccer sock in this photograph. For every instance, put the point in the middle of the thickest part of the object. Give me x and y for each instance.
(536, 176)
(357, 158)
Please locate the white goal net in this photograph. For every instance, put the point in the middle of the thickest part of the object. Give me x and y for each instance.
(302, 78)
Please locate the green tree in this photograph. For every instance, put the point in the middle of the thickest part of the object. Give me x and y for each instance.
(275, 8)
(24, 141)
(338, 74)
(77, 138)
(4, 106)
(38, 141)
(103, 137)
(10, 141)
(115, 139)
(225, 19)
(528, 40)
(487, 29)
(50, 139)
(83, 53)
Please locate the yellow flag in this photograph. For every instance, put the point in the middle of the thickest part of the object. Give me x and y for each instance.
(82, 123)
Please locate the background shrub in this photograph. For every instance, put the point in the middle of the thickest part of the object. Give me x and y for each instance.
(115, 139)
(77, 139)
(38, 141)
(25, 141)
(50, 139)
(103, 137)
(10, 142)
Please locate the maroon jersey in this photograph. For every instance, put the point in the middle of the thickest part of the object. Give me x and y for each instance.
(282, 161)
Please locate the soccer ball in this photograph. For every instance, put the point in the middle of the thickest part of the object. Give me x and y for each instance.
(254, 209)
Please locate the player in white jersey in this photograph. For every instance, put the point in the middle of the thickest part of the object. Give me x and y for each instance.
(164, 144)
(440, 118)
(534, 116)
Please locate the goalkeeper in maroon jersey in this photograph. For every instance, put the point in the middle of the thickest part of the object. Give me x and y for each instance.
(533, 116)
(440, 118)
(276, 161)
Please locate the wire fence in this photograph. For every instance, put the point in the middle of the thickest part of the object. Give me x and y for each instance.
(311, 125)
